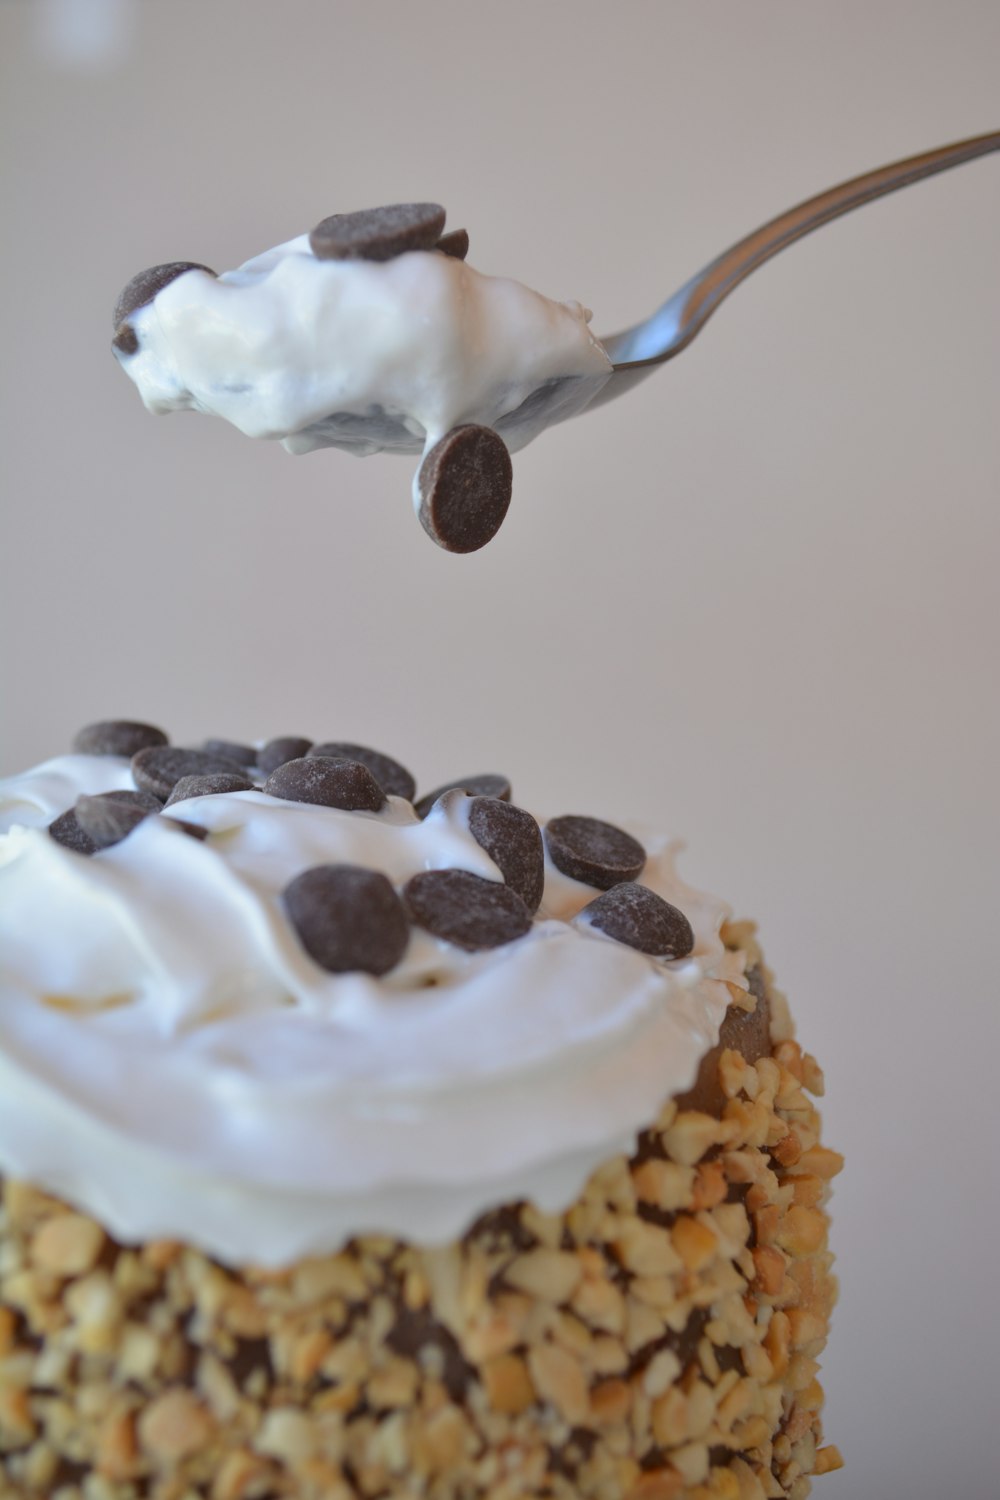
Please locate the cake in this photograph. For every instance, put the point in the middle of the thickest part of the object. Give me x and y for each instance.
(362, 1143)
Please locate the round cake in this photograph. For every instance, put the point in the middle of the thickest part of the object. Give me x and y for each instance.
(362, 1143)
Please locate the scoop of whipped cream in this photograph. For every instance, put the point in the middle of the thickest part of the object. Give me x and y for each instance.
(364, 355)
(173, 1061)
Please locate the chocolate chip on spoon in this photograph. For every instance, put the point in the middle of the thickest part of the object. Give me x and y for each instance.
(284, 748)
(597, 853)
(329, 783)
(513, 841)
(209, 786)
(465, 909)
(160, 768)
(145, 285)
(117, 737)
(126, 340)
(465, 485)
(394, 779)
(455, 243)
(488, 784)
(637, 916)
(347, 918)
(378, 233)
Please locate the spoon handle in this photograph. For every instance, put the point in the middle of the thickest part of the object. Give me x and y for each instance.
(675, 324)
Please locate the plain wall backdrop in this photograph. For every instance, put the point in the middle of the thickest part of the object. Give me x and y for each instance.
(754, 602)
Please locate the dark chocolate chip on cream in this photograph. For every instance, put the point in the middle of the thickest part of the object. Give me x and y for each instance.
(513, 840)
(345, 784)
(117, 737)
(593, 852)
(394, 779)
(465, 909)
(347, 918)
(635, 915)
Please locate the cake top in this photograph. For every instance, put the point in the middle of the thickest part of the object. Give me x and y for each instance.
(266, 997)
(370, 334)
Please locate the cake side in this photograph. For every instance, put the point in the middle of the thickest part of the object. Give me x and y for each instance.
(657, 1339)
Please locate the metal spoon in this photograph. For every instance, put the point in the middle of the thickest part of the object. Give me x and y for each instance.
(636, 351)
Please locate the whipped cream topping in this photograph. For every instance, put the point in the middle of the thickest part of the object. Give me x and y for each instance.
(173, 1061)
(364, 355)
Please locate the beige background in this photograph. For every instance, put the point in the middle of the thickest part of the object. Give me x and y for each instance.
(756, 601)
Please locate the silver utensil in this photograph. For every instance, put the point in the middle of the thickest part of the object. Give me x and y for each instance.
(635, 352)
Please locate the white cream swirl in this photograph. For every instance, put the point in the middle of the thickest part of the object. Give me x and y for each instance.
(362, 355)
(172, 1060)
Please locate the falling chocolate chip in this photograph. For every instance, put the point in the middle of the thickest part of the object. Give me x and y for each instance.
(330, 783)
(209, 786)
(455, 244)
(145, 285)
(347, 918)
(110, 817)
(394, 779)
(465, 486)
(277, 751)
(513, 841)
(243, 755)
(160, 768)
(637, 916)
(378, 233)
(488, 784)
(117, 737)
(597, 853)
(465, 909)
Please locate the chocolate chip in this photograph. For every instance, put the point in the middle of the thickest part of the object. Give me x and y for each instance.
(146, 284)
(160, 768)
(635, 915)
(111, 816)
(209, 786)
(465, 909)
(330, 783)
(243, 755)
(394, 779)
(117, 737)
(378, 233)
(193, 830)
(465, 486)
(126, 340)
(513, 841)
(597, 853)
(347, 918)
(488, 784)
(286, 747)
(66, 831)
(455, 243)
